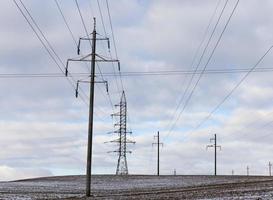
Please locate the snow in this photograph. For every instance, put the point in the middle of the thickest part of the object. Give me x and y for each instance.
(74, 186)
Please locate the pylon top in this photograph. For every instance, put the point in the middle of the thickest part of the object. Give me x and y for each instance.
(123, 98)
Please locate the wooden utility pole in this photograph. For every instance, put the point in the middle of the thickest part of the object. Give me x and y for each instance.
(92, 57)
(158, 145)
(91, 113)
(215, 152)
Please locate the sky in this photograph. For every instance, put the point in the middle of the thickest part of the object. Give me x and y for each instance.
(43, 127)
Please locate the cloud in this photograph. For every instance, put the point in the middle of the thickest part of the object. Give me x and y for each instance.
(48, 126)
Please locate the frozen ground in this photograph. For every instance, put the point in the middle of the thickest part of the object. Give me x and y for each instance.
(141, 187)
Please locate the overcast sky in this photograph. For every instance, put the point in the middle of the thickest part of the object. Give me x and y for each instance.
(43, 127)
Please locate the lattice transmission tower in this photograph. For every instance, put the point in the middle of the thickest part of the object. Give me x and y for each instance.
(122, 140)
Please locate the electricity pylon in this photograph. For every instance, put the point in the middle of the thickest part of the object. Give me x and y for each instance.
(215, 152)
(92, 57)
(122, 140)
(158, 145)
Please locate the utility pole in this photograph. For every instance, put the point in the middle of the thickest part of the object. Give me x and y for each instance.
(174, 172)
(215, 152)
(232, 172)
(269, 166)
(247, 170)
(93, 57)
(91, 113)
(158, 145)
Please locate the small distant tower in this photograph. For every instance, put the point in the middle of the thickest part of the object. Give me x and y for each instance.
(269, 167)
(174, 172)
(247, 170)
(122, 167)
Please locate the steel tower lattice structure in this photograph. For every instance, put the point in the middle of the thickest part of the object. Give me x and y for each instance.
(122, 140)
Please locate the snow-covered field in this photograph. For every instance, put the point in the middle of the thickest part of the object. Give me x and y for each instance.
(141, 187)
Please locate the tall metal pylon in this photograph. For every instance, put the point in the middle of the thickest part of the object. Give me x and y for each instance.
(122, 140)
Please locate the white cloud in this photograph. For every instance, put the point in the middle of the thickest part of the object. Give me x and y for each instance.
(42, 119)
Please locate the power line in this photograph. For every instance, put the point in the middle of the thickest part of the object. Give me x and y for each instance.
(65, 21)
(191, 79)
(195, 56)
(82, 20)
(114, 40)
(212, 53)
(41, 32)
(109, 49)
(115, 47)
(42, 42)
(109, 52)
(138, 73)
(255, 122)
(73, 38)
(197, 66)
(86, 32)
(72, 35)
(102, 20)
(69, 29)
(112, 30)
(234, 88)
(49, 50)
(47, 42)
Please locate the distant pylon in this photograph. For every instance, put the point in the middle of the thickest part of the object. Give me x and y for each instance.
(122, 140)
(269, 167)
(247, 170)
